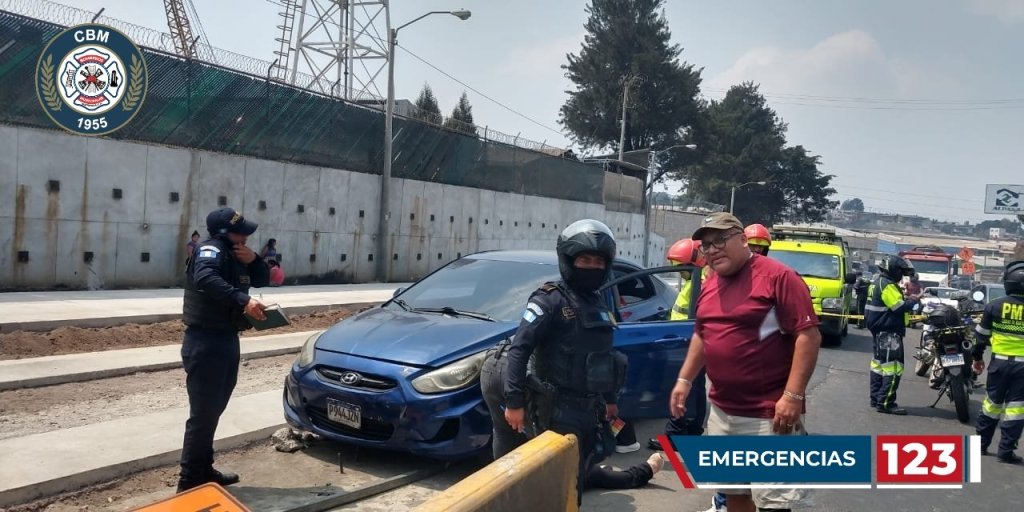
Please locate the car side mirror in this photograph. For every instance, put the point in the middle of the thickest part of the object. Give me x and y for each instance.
(978, 296)
(850, 278)
(397, 292)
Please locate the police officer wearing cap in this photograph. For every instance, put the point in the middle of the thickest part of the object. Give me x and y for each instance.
(1002, 326)
(218, 276)
(567, 328)
(887, 314)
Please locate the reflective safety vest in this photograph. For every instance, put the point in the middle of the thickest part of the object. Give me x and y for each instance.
(1003, 320)
(887, 310)
(681, 309)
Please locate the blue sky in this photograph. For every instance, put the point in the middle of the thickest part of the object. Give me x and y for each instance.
(926, 158)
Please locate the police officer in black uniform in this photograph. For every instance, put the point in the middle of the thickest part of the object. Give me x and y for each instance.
(888, 313)
(567, 328)
(218, 276)
(1002, 326)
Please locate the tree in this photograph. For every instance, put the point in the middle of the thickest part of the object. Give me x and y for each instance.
(461, 119)
(853, 205)
(744, 141)
(628, 41)
(426, 106)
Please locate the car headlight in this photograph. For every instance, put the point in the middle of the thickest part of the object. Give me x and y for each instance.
(308, 349)
(831, 303)
(453, 376)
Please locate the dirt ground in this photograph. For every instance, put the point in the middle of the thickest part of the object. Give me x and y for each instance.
(74, 340)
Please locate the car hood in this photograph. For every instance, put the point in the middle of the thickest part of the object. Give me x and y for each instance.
(410, 338)
(823, 288)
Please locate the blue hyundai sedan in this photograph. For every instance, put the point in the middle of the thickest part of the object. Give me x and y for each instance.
(405, 376)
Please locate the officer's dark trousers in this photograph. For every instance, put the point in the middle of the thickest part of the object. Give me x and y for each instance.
(692, 423)
(492, 374)
(210, 359)
(575, 417)
(1005, 399)
(886, 369)
(630, 478)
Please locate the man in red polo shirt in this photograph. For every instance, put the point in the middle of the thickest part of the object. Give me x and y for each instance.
(757, 336)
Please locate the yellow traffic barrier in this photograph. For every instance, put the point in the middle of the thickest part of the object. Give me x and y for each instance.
(538, 476)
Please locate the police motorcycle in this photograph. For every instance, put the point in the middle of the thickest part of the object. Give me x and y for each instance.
(944, 352)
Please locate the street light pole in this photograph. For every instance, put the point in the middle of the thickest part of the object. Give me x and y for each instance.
(383, 238)
(648, 197)
(732, 195)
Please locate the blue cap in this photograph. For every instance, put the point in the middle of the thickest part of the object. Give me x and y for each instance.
(228, 220)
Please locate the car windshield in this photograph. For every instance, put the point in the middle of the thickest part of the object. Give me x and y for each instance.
(930, 267)
(809, 264)
(943, 293)
(996, 292)
(498, 289)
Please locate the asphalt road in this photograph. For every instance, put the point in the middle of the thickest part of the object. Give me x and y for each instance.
(838, 404)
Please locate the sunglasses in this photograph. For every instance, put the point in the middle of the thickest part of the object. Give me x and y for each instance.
(718, 243)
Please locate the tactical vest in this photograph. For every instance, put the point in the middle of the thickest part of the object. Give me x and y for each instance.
(578, 358)
(201, 310)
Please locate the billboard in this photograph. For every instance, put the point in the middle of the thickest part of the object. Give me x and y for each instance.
(1004, 199)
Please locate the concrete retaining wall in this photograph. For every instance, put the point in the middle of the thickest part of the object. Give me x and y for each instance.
(60, 213)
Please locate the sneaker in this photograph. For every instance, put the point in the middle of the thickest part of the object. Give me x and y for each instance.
(627, 448)
(656, 461)
(714, 508)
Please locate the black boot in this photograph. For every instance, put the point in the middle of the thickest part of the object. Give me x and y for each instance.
(1010, 458)
(214, 476)
(898, 411)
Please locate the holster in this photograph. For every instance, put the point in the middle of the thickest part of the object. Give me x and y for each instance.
(540, 402)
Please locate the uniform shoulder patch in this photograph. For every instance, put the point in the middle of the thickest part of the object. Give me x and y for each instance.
(532, 312)
(549, 287)
(208, 251)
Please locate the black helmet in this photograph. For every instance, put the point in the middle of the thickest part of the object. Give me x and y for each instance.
(582, 236)
(1013, 278)
(895, 268)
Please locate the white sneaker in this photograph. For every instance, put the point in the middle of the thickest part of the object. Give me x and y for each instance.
(627, 448)
(715, 509)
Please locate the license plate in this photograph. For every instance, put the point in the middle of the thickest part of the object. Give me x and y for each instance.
(346, 414)
(952, 360)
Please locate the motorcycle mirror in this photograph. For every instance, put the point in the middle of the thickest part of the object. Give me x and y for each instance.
(978, 296)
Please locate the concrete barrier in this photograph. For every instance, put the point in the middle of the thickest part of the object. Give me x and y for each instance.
(538, 476)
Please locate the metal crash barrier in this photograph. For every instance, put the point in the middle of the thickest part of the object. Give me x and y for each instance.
(539, 476)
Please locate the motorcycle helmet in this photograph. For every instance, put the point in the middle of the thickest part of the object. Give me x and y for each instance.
(686, 252)
(895, 268)
(758, 237)
(1013, 278)
(944, 316)
(582, 236)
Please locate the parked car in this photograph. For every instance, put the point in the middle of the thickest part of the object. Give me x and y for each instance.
(961, 282)
(934, 295)
(405, 375)
(989, 292)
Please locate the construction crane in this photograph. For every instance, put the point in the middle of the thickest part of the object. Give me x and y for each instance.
(180, 16)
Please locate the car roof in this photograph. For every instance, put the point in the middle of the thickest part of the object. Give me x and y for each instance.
(528, 256)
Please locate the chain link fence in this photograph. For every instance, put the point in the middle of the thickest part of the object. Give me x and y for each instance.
(66, 16)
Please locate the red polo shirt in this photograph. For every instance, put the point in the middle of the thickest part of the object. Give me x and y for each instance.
(748, 322)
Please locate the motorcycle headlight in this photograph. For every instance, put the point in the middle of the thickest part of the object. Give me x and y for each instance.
(308, 349)
(831, 303)
(453, 376)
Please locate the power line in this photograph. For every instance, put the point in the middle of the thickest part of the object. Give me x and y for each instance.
(865, 103)
(464, 84)
(929, 196)
(860, 99)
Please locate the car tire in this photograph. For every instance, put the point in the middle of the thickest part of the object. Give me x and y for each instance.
(831, 340)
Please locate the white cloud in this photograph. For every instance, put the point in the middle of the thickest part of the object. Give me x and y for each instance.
(545, 58)
(851, 63)
(1008, 11)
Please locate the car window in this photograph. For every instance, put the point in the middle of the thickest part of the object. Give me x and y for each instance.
(995, 292)
(634, 290)
(809, 264)
(499, 289)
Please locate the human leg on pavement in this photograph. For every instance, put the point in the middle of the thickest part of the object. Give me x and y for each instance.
(503, 438)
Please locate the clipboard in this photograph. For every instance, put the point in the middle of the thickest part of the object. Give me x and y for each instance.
(276, 317)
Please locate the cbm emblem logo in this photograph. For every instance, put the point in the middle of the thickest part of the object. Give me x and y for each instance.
(91, 79)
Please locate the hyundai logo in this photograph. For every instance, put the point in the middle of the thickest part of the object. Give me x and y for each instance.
(351, 378)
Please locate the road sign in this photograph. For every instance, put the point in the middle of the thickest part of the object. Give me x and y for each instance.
(966, 253)
(1004, 199)
(967, 268)
(206, 497)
